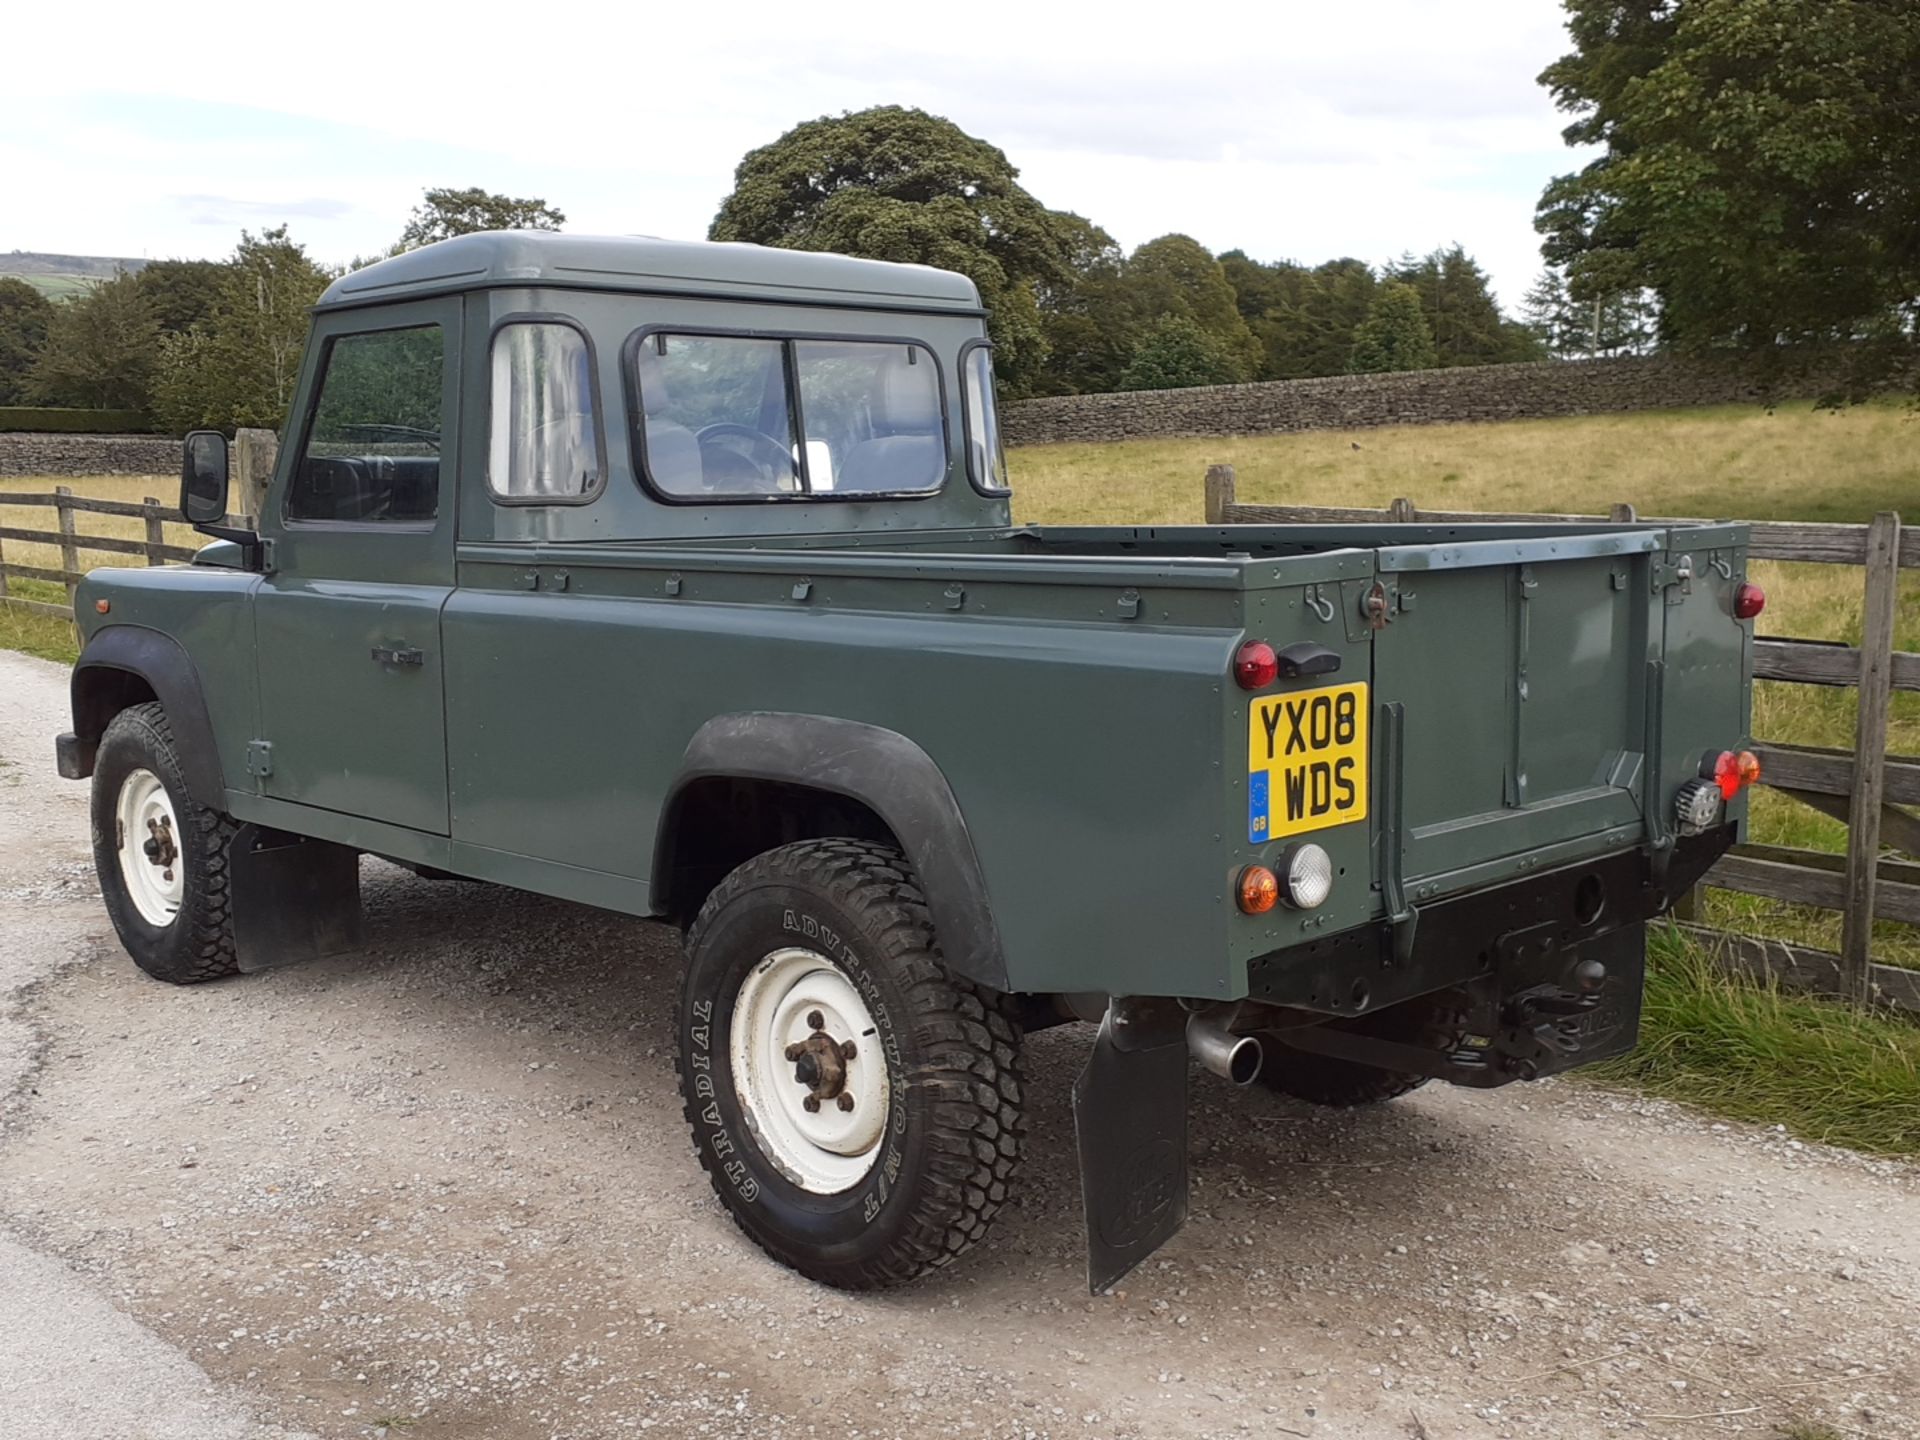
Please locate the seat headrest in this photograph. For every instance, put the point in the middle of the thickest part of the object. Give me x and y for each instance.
(909, 398)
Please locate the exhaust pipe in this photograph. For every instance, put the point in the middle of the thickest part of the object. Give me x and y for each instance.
(1232, 1057)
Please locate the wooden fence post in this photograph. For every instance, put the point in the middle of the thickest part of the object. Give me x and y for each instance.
(1402, 512)
(69, 552)
(1623, 514)
(3, 569)
(1870, 754)
(156, 531)
(1219, 493)
(255, 452)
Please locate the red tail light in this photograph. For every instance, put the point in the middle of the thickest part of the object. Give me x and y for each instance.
(1748, 600)
(1734, 771)
(1255, 666)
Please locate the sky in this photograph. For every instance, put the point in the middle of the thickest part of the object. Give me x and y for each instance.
(1289, 130)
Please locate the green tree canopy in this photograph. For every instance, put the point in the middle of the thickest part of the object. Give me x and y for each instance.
(25, 315)
(1177, 351)
(100, 348)
(1758, 172)
(893, 183)
(1177, 276)
(1303, 318)
(1467, 326)
(445, 213)
(237, 366)
(181, 292)
(1394, 336)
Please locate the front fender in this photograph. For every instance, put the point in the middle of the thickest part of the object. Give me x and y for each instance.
(100, 690)
(886, 772)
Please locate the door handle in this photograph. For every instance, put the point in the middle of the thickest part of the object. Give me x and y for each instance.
(389, 655)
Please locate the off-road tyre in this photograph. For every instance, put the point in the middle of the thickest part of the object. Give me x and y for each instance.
(197, 944)
(954, 1126)
(1431, 1021)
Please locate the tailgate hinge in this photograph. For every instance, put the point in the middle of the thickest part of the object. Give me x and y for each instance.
(260, 758)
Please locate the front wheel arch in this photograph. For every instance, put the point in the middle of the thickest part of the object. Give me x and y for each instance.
(128, 665)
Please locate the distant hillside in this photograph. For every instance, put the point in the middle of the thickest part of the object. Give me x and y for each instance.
(60, 276)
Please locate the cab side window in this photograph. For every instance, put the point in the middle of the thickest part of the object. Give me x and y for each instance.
(543, 443)
(371, 453)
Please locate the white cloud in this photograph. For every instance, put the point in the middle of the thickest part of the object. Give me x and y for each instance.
(1286, 129)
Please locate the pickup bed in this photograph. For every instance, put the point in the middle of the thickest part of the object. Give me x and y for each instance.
(681, 581)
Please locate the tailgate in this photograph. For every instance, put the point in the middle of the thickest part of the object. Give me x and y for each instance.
(1511, 690)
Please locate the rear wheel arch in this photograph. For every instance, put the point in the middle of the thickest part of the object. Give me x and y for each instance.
(754, 781)
(128, 665)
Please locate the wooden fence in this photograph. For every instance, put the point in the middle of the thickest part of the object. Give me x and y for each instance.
(65, 505)
(1863, 786)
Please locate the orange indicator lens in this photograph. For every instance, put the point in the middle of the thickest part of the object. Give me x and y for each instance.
(1259, 890)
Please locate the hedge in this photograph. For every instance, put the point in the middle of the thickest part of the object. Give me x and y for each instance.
(49, 420)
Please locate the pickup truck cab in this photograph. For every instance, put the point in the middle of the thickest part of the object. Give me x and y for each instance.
(681, 580)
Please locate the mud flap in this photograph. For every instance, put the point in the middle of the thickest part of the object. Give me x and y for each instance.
(293, 898)
(1130, 1114)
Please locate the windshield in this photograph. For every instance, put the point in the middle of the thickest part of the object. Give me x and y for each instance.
(721, 416)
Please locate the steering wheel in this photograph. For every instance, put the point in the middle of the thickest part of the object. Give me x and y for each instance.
(778, 467)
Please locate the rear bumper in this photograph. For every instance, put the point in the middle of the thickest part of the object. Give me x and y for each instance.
(1461, 938)
(73, 756)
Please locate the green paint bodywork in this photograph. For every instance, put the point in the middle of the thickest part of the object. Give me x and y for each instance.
(1072, 685)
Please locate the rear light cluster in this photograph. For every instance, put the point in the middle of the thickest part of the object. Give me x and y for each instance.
(1701, 803)
(1255, 665)
(1304, 881)
(1748, 600)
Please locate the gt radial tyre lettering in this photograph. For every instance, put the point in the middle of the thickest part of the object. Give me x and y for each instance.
(162, 859)
(794, 947)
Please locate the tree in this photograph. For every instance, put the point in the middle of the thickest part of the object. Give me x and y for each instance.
(1757, 172)
(25, 315)
(1394, 336)
(181, 292)
(1467, 326)
(445, 213)
(1084, 319)
(1303, 318)
(100, 348)
(237, 365)
(1178, 276)
(1176, 352)
(893, 183)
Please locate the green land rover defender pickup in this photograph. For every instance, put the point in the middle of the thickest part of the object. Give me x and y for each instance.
(681, 580)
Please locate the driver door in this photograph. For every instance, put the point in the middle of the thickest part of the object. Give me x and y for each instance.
(347, 624)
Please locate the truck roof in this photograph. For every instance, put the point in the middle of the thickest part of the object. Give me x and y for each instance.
(643, 264)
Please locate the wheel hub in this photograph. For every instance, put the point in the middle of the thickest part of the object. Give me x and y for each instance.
(150, 869)
(809, 1070)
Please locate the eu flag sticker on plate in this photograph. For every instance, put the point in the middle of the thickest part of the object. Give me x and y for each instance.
(1306, 761)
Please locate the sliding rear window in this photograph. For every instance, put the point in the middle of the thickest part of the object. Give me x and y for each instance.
(724, 417)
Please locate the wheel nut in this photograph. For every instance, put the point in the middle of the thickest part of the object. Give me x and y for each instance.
(845, 1102)
(811, 1104)
(847, 1050)
(816, 1021)
(794, 1052)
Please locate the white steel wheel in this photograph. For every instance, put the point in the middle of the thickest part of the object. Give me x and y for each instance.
(147, 839)
(809, 1070)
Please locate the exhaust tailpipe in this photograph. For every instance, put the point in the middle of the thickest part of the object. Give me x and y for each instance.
(1232, 1057)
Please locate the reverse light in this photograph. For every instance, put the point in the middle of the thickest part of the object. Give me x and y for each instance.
(1748, 600)
(1258, 890)
(1255, 666)
(1309, 877)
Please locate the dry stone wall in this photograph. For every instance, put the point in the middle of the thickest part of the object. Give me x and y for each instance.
(1414, 397)
(30, 454)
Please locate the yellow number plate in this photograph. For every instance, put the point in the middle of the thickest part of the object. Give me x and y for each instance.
(1306, 761)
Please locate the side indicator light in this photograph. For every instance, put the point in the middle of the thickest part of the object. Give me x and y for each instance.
(1748, 600)
(1255, 666)
(103, 606)
(1258, 890)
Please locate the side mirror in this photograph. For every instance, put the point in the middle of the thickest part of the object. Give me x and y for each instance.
(203, 478)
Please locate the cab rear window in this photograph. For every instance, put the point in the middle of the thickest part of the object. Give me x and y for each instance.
(742, 417)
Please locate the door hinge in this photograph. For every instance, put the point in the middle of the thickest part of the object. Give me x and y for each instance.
(260, 758)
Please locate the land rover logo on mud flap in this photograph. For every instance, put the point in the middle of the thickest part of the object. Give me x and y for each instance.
(1153, 1183)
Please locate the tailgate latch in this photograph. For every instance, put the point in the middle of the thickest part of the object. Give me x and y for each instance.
(1671, 576)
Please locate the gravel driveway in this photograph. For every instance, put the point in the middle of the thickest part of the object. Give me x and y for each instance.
(442, 1189)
